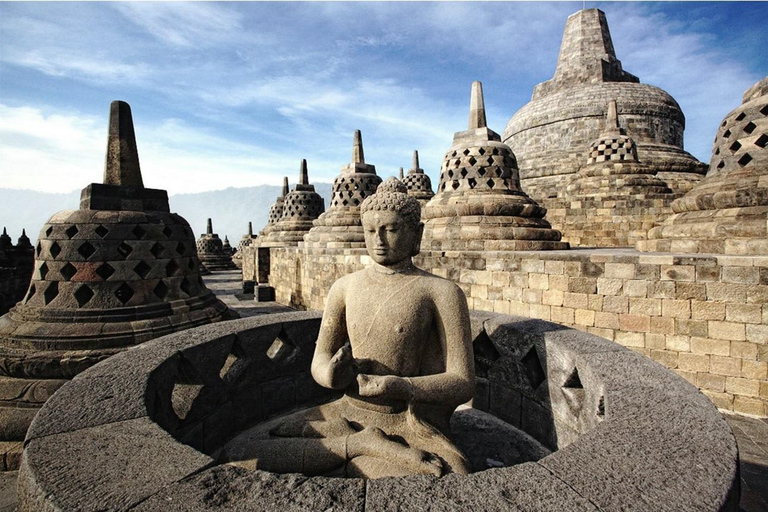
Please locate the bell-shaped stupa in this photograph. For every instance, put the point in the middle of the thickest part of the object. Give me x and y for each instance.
(550, 135)
(340, 226)
(118, 271)
(614, 199)
(246, 241)
(212, 252)
(300, 208)
(479, 204)
(276, 210)
(418, 183)
(727, 213)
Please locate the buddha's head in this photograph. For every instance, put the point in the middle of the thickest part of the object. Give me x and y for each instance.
(392, 224)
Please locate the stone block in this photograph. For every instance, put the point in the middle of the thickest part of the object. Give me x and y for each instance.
(692, 327)
(726, 366)
(744, 350)
(754, 369)
(635, 323)
(678, 273)
(679, 343)
(747, 405)
(562, 315)
(707, 310)
(711, 382)
(727, 330)
(616, 304)
(757, 333)
(726, 292)
(746, 313)
(630, 339)
(585, 317)
(640, 306)
(676, 308)
(721, 400)
(695, 291)
(538, 281)
(662, 325)
(741, 275)
(606, 286)
(665, 357)
(740, 386)
(619, 270)
(662, 290)
(693, 362)
(552, 297)
(655, 341)
(576, 300)
(710, 346)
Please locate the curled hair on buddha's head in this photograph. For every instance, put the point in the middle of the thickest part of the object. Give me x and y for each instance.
(392, 195)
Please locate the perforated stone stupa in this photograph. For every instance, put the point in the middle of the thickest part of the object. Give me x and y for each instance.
(212, 252)
(340, 225)
(418, 183)
(276, 210)
(118, 271)
(615, 199)
(245, 241)
(551, 134)
(727, 213)
(300, 208)
(479, 204)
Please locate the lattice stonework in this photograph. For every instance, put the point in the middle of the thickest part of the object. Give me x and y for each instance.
(302, 206)
(741, 135)
(616, 149)
(418, 183)
(275, 211)
(478, 167)
(351, 190)
(81, 265)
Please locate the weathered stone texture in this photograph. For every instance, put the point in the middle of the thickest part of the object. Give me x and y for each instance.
(340, 226)
(604, 412)
(705, 317)
(727, 212)
(16, 264)
(211, 251)
(300, 208)
(479, 204)
(104, 279)
(551, 134)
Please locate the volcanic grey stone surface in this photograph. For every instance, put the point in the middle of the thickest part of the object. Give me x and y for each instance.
(628, 434)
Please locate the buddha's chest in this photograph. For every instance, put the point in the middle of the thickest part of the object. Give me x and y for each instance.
(389, 325)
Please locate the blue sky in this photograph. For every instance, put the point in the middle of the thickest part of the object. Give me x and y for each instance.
(235, 94)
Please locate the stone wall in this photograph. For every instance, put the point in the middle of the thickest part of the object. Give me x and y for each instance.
(703, 316)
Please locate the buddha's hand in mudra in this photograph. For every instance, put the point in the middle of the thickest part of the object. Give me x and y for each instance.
(343, 368)
(384, 386)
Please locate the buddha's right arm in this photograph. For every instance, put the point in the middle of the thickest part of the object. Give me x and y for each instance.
(332, 337)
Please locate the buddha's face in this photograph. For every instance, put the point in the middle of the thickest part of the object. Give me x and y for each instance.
(389, 239)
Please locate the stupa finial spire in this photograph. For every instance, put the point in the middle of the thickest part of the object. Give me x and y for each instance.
(121, 165)
(358, 157)
(415, 159)
(477, 107)
(303, 173)
(400, 174)
(612, 118)
(250, 229)
(209, 229)
(285, 186)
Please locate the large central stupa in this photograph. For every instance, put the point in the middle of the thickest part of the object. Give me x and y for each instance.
(551, 134)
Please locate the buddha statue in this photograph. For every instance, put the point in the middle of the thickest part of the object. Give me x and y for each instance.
(395, 339)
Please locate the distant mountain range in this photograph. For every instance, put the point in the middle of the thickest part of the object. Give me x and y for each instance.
(230, 209)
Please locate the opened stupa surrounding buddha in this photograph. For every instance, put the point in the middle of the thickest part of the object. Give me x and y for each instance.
(118, 271)
(479, 204)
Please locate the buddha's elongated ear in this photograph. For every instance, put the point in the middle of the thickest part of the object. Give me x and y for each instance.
(417, 243)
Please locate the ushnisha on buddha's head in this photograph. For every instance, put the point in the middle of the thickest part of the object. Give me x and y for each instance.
(392, 224)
